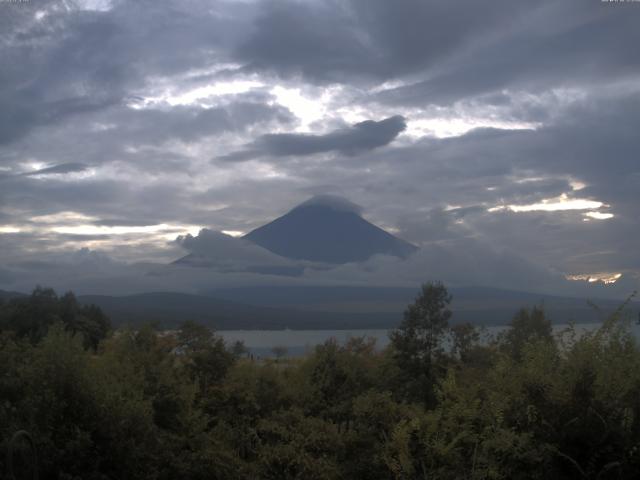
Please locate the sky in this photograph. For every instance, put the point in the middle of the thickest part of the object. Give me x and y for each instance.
(500, 137)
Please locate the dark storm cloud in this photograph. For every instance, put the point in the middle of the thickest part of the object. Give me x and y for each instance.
(72, 61)
(559, 45)
(361, 137)
(464, 48)
(371, 40)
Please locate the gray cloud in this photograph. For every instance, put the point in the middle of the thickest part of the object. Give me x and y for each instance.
(75, 91)
(364, 40)
(71, 61)
(188, 123)
(586, 43)
(359, 138)
(462, 49)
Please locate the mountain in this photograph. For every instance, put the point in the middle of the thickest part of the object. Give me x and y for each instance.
(327, 229)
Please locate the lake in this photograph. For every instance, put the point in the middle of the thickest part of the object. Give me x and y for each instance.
(260, 343)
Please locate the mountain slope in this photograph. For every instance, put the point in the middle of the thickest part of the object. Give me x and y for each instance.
(324, 230)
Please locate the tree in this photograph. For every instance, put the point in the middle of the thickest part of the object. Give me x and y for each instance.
(464, 337)
(31, 317)
(239, 349)
(417, 341)
(528, 325)
(280, 351)
(88, 320)
(206, 355)
(337, 374)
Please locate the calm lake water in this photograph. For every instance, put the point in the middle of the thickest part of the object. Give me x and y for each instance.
(299, 342)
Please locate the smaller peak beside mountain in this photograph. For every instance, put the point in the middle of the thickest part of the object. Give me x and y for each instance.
(328, 229)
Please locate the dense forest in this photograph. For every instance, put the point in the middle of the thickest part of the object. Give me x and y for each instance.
(138, 403)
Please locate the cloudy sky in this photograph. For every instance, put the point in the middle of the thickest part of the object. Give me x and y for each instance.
(500, 137)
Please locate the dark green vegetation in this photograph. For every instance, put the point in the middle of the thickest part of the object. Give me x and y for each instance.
(138, 404)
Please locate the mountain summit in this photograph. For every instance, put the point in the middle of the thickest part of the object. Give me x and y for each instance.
(327, 229)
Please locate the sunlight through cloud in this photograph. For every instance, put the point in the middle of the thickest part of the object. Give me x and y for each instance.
(233, 233)
(194, 96)
(307, 109)
(607, 278)
(561, 203)
(598, 215)
(123, 230)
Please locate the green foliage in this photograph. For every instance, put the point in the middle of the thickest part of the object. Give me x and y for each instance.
(417, 343)
(528, 325)
(336, 374)
(464, 340)
(294, 446)
(31, 317)
(143, 404)
(206, 357)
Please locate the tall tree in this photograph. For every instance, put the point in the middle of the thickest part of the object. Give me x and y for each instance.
(417, 341)
(206, 355)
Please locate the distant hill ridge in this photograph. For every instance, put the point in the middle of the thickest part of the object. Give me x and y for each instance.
(333, 308)
(7, 295)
